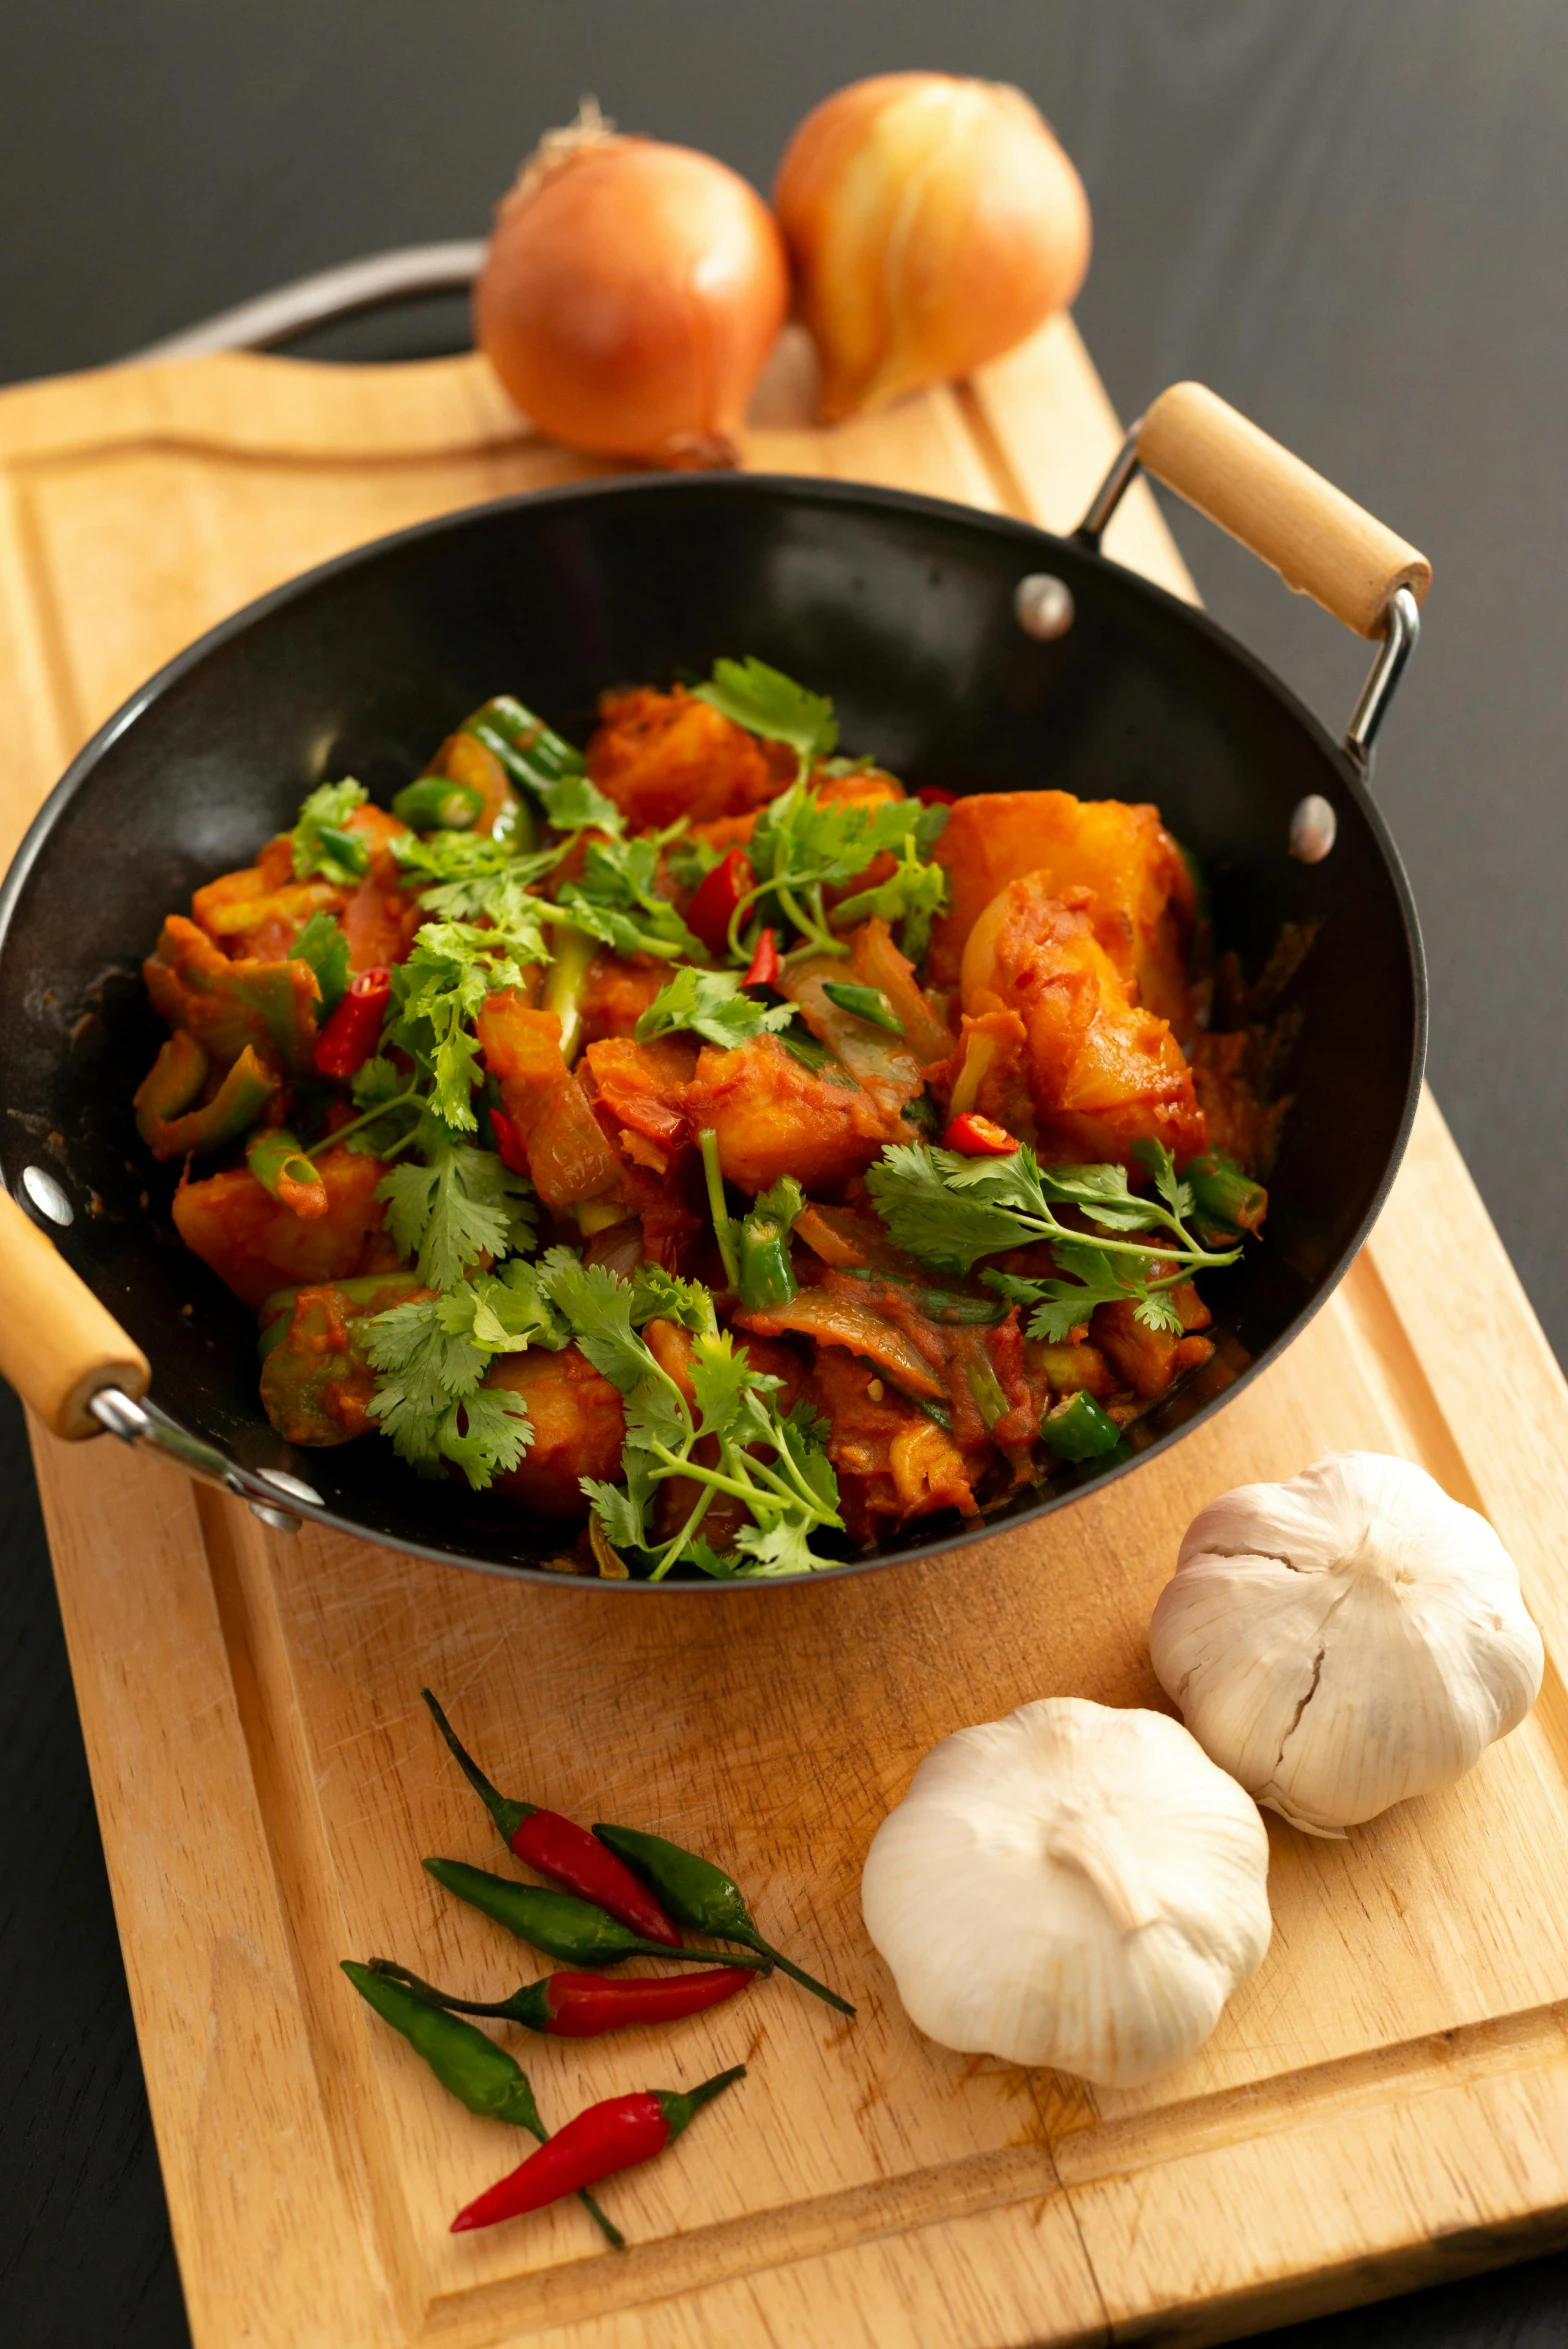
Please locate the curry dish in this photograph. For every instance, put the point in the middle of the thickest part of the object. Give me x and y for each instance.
(702, 1146)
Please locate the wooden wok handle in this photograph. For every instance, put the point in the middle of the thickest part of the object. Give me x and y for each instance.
(58, 1346)
(1320, 542)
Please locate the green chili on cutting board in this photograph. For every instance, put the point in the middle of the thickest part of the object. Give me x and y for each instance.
(471, 2067)
(703, 1899)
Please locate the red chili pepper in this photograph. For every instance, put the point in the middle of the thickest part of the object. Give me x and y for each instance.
(562, 1850)
(508, 1142)
(765, 964)
(932, 795)
(979, 1137)
(608, 2137)
(585, 2006)
(354, 1030)
(709, 912)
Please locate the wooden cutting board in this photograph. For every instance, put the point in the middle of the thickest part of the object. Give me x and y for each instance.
(1386, 2102)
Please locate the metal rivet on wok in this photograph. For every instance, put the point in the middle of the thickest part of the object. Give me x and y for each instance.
(279, 1519)
(1043, 605)
(293, 1488)
(47, 1196)
(1312, 829)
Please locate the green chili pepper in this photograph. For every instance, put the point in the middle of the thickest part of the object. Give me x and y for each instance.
(567, 984)
(986, 1388)
(174, 1080)
(1078, 1429)
(227, 1005)
(284, 1170)
(514, 827)
(564, 1927)
(433, 804)
(527, 748)
(1224, 1197)
(479, 2074)
(765, 1274)
(703, 1899)
(232, 1111)
(867, 1003)
(349, 849)
(937, 1413)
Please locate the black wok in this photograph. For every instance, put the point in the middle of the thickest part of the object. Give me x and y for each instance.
(900, 607)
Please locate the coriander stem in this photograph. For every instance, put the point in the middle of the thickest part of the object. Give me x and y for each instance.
(675, 1466)
(672, 1550)
(382, 1109)
(723, 1229)
(1052, 1230)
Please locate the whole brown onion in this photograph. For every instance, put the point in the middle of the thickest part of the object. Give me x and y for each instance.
(630, 296)
(932, 222)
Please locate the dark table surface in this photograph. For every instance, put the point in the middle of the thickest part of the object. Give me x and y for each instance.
(1348, 220)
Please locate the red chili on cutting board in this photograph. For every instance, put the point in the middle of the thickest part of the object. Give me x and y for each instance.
(562, 1850)
(608, 2137)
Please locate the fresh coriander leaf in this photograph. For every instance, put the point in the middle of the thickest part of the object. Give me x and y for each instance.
(468, 877)
(511, 1311)
(457, 1206)
(768, 703)
(496, 1433)
(328, 808)
(1157, 1310)
(620, 1510)
(438, 991)
(914, 896)
(719, 1377)
(596, 1304)
(781, 1547)
(428, 1397)
(1156, 1159)
(666, 1296)
(783, 1201)
(618, 900)
(576, 805)
(380, 1085)
(323, 943)
(714, 1005)
(917, 1193)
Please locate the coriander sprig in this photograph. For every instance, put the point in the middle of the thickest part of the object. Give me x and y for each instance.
(950, 1211)
(803, 845)
(772, 1462)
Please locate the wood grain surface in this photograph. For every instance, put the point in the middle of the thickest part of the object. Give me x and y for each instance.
(1388, 2099)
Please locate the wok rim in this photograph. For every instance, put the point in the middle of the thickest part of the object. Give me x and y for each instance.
(797, 489)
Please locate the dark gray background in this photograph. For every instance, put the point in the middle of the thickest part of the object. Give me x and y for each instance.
(1349, 220)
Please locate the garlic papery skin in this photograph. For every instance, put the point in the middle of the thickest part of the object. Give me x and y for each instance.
(1075, 1886)
(932, 223)
(1345, 1641)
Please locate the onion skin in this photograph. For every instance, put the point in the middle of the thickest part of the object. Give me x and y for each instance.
(932, 222)
(629, 299)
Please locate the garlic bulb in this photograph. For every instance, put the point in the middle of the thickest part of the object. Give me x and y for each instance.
(933, 223)
(1072, 1886)
(1346, 1640)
